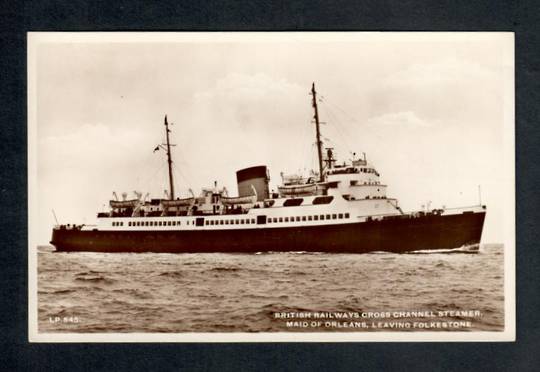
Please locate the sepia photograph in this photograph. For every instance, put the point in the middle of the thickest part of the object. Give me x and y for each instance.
(271, 186)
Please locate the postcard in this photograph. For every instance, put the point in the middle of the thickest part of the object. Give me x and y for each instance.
(271, 186)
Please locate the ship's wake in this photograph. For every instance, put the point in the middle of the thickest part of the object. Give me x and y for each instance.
(465, 249)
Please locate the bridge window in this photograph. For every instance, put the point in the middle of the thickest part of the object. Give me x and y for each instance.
(340, 215)
(334, 216)
(303, 218)
(316, 217)
(327, 216)
(293, 202)
(322, 217)
(280, 219)
(323, 200)
(310, 218)
(346, 215)
(253, 220)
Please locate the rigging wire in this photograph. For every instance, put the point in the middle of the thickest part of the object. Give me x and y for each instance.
(340, 128)
(188, 184)
(149, 182)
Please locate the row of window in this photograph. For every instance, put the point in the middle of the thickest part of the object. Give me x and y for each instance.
(231, 222)
(355, 183)
(241, 221)
(316, 217)
(149, 223)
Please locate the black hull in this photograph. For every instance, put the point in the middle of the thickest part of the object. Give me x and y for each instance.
(393, 235)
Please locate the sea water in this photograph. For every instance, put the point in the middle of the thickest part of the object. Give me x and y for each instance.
(270, 292)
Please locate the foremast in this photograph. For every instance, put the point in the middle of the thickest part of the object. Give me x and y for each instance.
(318, 132)
(169, 160)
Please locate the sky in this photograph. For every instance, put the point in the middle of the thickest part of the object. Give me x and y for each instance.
(432, 111)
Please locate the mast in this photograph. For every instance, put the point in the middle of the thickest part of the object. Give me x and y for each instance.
(169, 160)
(319, 142)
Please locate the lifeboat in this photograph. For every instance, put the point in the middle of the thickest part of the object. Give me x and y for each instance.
(301, 190)
(232, 200)
(124, 203)
(245, 199)
(177, 203)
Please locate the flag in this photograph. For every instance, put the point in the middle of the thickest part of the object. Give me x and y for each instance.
(157, 148)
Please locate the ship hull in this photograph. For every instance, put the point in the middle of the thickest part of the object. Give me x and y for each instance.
(397, 235)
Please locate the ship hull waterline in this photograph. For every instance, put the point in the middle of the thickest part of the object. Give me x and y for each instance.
(393, 235)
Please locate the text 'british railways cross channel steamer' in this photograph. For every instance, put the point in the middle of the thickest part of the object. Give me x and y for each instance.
(341, 208)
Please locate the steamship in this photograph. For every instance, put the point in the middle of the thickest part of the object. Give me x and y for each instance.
(342, 208)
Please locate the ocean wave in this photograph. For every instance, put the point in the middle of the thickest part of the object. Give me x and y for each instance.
(173, 274)
(95, 279)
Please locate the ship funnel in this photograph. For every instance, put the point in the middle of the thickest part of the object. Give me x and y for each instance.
(256, 177)
(124, 196)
